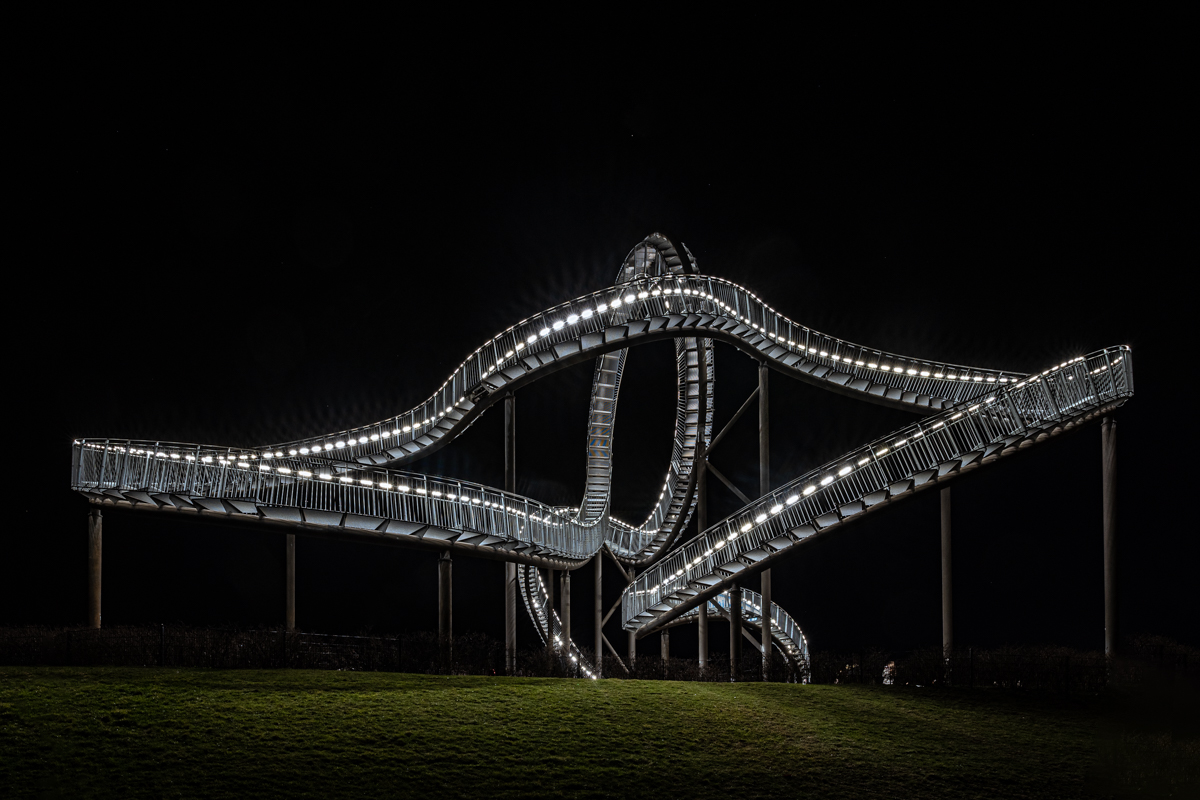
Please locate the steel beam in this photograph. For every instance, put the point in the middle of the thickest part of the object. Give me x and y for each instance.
(289, 590)
(445, 604)
(510, 569)
(764, 486)
(735, 632)
(564, 614)
(947, 577)
(1108, 448)
(95, 549)
(729, 484)
(598, 560)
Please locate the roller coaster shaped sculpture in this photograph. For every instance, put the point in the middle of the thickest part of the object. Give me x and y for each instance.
(348, 484)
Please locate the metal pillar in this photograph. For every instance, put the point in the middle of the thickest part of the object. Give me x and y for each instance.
(764, 486)
(95, 523)
(445, 602)
(947, 577)
(510, 569)
(665, 643)
(702, 626)
(1108, 448)
(564, 615)
(289, 590)
(599, 613)
(735, 632)
(632, 649)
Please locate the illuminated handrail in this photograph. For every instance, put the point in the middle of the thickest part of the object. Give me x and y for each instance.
(866, 476)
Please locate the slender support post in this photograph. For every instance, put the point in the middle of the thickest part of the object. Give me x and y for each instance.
(665, 642)
(95, 523)
(702, 500)
(1108, 445)
(565, 613)
(551, 583)
(735, 632)
(290, 584)
(445, 602)
(702, 632)
(632, 649)
(947, 578)
(599, 610)
(510, 569)
(764, 486)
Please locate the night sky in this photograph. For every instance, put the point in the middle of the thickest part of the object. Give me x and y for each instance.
(251, 256)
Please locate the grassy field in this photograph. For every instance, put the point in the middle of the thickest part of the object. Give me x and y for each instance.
(142, 732)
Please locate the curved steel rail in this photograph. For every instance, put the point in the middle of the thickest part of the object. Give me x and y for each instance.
(346, 483)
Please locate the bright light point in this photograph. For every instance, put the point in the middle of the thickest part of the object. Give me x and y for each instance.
(339, 445)
(532, 339)
(284, 471)
(881, 452)
(745, 528)
(367, 483)
(362, 440)
(845, 470)
(643, 295)
(760, 518)
(862, 461)
(559, 325)
(600, 309)
(509, 354)
(328, 446)
(824, 354)
(346, 480)
(243, 463)
(420, 490)
(912, 372)
(809, 490)
(828, 479)
(325, 476)
(939, 375)
(544, 332)
(407, 428)
(304, 473)
(403, 488)
(775, 509)
(924, 373)
(572, 319)
(873, 366)
(385, 486)
(587, 313)
(629, 298)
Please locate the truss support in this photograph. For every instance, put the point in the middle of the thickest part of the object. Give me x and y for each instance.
(764, 486)
(289, 589)
(510, 569)
(598, 569)
(95, 523)
(947, 577)
(1108, 445)
(735, 632)
(445, 604)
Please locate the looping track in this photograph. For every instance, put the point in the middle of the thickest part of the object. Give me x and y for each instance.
(348, 484)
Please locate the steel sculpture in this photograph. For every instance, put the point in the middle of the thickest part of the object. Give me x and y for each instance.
(349, 484)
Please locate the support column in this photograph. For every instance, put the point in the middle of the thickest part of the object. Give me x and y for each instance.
(947, 578)
(445, 607)
(289, 590)
(564, 615)
(665, 643)
(1108, 446)
(510, 569)
(632, 649)
(764, 486)
(599, 613)
(95, 522)
(551, 583)
(702, 634)
(735, 632)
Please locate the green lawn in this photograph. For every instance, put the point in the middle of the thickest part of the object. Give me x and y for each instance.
(164, 732)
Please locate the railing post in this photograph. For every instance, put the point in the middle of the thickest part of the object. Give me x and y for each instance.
(1108, 444)
(95, 550)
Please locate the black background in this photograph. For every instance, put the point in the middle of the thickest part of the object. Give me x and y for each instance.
(240, 251)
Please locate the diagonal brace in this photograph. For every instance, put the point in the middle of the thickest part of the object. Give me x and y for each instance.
(724, 480)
